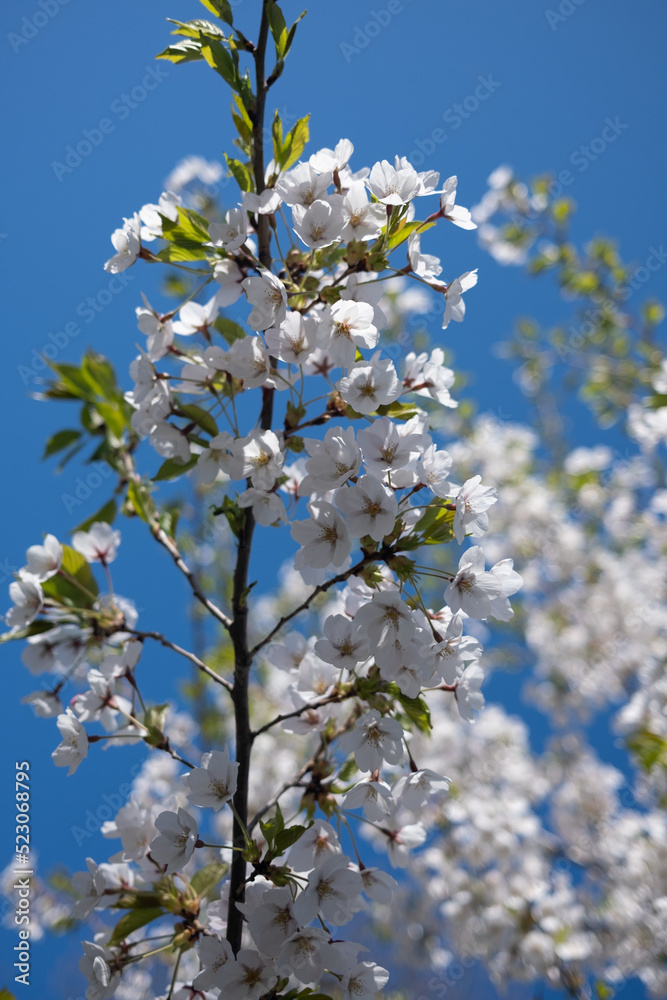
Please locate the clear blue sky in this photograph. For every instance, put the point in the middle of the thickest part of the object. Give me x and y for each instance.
(551, 81)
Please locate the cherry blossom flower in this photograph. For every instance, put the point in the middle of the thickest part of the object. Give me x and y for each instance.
(294, 340)
(267, 295)
(455, 306)
(304, 954)
(230, 277)
(425, 266)
(103, 981)
(378, 885)
(375, 797)
(348, 326)
(317, 843)
(267, 508)
(160, 332)
(150, 215)
(374, 739)
(127, 244)
(332, 888)
(369, 507)
(232, 233)
(319, 225)
(213, 955)
(369, 385)
(196, 317)
(394, 185)
(433, 470)
(473, 590)
(273, 921)
(216, 458)
(332, 461)
(74, 746)
(98, 544)
(44, 560)
(469, 698)
(454, 213)
(472, 502)
(266, 203)
(345, 643)
(417, 788)
(324, 538)
(90, 887)
(246, 977)
(175, 843)
(363, 219)
(28, 600)
(386, 619)
(332, 159)
(214, 783)
(258, 456)
(303, 185)
(364, 980)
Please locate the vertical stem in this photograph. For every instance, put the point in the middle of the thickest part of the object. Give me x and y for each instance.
(263, 228)
(239, 628)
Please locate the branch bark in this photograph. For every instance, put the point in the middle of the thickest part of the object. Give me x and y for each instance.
(239, 627)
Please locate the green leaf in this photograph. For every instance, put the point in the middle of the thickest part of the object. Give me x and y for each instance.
(106, 513)
(189, 50)
(278, 27)
(230, 330)
(179, 253)
(234, 514)
(200, 416)
(114, 418)
(101, 375)
(154, 719)
(221, 8)
(398, 410)
(172, 469)
(288, 837)
(436, 524)
(139, 496)
(292, 31)
(198, 29)
(60, 440)
(416, 709)
(131, 921)
(404, 230)
(241, 173)
(206, 879)
(79, 591)
(649, 748)
(186, 236)
(219, 59)
(294, 144)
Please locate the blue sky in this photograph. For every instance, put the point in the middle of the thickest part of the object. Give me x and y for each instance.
(534, 81)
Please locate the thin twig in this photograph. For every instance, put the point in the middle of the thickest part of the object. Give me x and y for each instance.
(192, 657)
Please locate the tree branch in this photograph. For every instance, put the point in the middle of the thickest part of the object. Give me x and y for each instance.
(187, 654)
(239, 628)
(321, 589)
